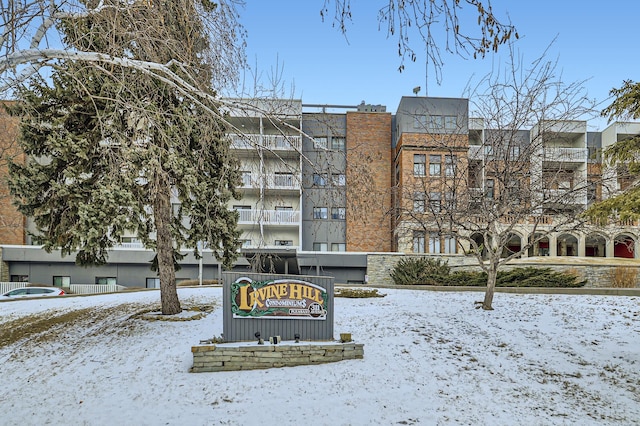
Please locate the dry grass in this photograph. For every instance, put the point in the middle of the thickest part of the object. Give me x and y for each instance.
(623, 277)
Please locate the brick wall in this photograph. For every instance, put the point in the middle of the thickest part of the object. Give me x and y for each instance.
(368, 181)
(12, 223)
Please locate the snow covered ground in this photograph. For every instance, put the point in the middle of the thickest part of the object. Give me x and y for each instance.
(430, 358)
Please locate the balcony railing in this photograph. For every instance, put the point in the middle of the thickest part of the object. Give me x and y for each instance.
(577, 155)
(286, 181)
(269, 217)
(270, 142)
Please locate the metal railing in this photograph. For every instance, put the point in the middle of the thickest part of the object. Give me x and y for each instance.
(273, 217)
(271, 142)
(578, 155)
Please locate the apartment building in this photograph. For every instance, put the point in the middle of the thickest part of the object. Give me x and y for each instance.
(324, 185)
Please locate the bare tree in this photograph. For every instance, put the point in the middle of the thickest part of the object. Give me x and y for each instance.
(498, 185)
(438, 24)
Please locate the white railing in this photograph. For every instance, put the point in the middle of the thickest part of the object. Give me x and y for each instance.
(565, 196)
(73, 288)
(269, 217)
(8, 286)
(565, 154)
(137, 245)
(95, 288)
(271, 142)
(273, 181)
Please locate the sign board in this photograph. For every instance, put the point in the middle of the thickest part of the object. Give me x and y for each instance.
(278, 299)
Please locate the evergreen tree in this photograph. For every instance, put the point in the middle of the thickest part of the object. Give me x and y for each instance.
(113, 148)
(626, 205)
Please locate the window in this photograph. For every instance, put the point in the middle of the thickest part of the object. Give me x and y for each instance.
(19, 278)
(128, 240)
(284, 208)
(106, 280)
(419, 164)
(338, 247)
(564, 185)
(152, 282)
(245, 243)
(246, 178)
(418, 241)
(319, 179)
(450, 165)
(418, 202)
(514, 152)
(283, 179)
(320, 142)
(320, 247)
(238, 207)
(338, 179)
(490, 188)
(434, 165)
(450, 122)
(339, 213)
(283, 242)
(436, 122)
(420, 122)
(450, 244)
(338, 143)
(61, 281)
(434, 202)
(319, 212)
(592, 193)
(450, 201)
(434, 242)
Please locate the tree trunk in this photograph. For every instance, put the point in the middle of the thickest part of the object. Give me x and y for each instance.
(492, 275)
(164, 250)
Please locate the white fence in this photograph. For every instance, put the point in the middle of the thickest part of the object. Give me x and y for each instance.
(73, 288)
(95, 288)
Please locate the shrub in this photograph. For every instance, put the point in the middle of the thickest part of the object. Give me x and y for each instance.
(420, 270)
(427, 271)
(623, 277)
(357, 293)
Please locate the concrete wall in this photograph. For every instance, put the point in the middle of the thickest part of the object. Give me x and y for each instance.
(326, 162)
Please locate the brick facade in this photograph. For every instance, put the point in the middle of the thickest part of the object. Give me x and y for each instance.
(12, 223)
(368, 181)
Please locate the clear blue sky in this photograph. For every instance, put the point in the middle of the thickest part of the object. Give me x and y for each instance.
(596, 41)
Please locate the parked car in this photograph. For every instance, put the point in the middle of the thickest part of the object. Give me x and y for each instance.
(33, 292)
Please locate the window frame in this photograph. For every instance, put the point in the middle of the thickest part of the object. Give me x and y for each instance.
(419, 242)
(318, 213)
(338, 213)
(321, 245)
(433, 165)
(419, 167)
(338, 143)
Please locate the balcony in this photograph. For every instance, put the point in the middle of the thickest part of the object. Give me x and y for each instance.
(268, 142)
(274, 181)
(269, 217)
(565, 196)
(565, 155)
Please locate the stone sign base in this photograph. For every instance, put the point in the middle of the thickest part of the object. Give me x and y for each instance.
(251, 356)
